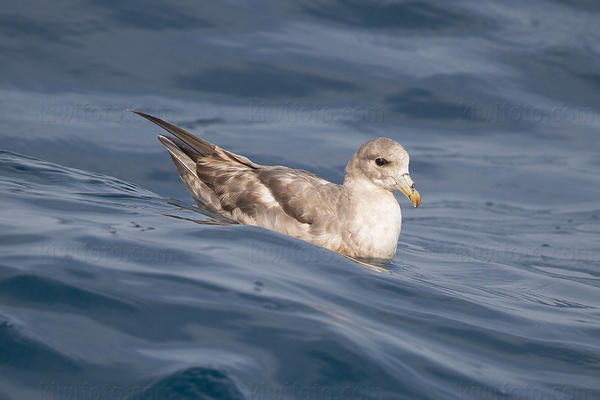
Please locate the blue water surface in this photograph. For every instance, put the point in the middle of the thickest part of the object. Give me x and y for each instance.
(114, 286)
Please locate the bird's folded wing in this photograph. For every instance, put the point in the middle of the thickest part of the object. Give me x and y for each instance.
(271, 195)
(300, 194)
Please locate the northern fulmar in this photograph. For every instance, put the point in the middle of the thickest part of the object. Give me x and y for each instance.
(360, 219)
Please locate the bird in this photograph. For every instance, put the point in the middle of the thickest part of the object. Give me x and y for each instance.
(360, 219)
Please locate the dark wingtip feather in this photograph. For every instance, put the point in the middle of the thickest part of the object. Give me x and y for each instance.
(199, 145)
(163, 139)
(163, 124)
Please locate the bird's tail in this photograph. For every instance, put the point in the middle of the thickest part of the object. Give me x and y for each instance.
(186, 167)
(187, 150)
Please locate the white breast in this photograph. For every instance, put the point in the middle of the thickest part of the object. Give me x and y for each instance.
(376, 225)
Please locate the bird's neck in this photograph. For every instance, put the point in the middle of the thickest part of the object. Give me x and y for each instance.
(363, 193)
(359, 184)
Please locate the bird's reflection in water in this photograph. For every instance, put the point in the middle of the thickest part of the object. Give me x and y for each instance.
(372, 264)
(210, 218)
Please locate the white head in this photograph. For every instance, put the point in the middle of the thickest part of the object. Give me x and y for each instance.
(383, 163)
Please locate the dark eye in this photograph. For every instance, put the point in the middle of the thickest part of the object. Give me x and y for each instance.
(381, 161)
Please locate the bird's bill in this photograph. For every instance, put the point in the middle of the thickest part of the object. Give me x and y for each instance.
(407, 187)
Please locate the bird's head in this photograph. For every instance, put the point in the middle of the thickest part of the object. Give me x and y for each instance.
(383, 163)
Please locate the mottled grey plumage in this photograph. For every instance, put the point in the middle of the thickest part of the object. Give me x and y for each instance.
(360, 219)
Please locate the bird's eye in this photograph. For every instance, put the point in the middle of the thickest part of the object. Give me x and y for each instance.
(381, 161)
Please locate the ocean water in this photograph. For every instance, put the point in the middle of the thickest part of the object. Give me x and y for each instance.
(113, 285)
